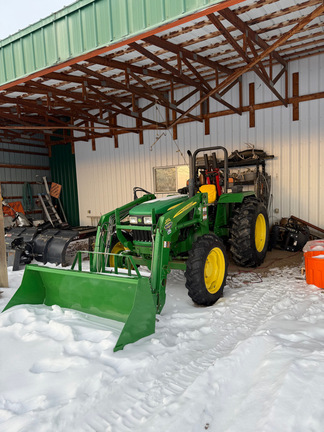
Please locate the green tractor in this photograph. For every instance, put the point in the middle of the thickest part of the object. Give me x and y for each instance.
(187, 231)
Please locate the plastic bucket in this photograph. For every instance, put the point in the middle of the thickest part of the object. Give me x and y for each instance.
(314, 267)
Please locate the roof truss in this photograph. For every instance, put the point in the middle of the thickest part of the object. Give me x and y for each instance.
(92, 95)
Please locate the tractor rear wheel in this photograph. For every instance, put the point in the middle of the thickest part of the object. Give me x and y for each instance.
(249, 233)
(206, 270)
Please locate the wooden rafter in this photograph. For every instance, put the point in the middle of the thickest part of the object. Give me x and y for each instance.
(95, 92)
(258, 68)
(169, 46)
(302, 23)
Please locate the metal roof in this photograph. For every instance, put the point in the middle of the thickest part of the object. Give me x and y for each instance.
(90, 75)
(85, 26)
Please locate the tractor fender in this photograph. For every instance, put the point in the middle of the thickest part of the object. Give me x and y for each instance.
(233, 198)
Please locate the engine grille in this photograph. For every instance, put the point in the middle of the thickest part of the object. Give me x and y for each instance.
(143, 236)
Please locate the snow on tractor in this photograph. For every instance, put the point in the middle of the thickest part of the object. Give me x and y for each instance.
(187, 231)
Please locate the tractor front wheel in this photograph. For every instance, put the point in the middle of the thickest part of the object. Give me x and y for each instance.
(206, 270)
(249, 233)
(117, 247)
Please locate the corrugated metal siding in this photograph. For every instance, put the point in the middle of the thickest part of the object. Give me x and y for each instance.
(10, 175)
(83, 27)
(106, 176)
(64, 173)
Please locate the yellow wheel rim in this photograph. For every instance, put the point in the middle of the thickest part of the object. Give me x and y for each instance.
(116, 250)
(214, 271)
(260, 232)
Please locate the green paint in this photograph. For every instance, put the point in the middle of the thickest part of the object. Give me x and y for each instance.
(83, 27)
(63, 171)
(124, 299)
(160, 206)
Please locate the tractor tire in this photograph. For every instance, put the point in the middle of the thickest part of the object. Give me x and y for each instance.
(117, 247)
(206, 270)
(249, 233)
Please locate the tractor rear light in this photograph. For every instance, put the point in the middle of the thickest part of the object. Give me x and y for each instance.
(133, 220)
(148, 220)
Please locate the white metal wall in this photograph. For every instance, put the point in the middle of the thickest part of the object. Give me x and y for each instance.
(106, 176)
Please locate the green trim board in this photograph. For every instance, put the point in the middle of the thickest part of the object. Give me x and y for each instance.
(63, 172)
(86, 26)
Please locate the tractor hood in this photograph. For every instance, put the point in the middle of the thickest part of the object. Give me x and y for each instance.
(160, 205)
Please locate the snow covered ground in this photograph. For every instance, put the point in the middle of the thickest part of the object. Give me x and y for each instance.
(253, 362)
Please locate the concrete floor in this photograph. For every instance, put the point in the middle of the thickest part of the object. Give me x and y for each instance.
(274, 259)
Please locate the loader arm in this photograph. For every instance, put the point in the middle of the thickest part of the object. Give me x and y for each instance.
(106, 228)
(167, 226)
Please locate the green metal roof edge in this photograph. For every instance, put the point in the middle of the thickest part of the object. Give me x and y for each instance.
(45, 21)
(82, 28)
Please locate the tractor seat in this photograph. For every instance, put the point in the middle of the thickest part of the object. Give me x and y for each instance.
(210, 189)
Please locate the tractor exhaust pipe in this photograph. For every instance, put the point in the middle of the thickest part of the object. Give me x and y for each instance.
(192, 175)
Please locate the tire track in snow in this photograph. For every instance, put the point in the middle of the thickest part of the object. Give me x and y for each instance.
(155, 394)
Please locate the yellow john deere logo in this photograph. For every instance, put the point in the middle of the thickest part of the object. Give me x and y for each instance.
(187, 207)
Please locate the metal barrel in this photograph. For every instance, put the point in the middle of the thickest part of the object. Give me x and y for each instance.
(123, 298)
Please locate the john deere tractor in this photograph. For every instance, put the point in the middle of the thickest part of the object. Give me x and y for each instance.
(188, 231)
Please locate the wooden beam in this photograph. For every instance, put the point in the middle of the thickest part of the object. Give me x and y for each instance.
(122, 109)
(174, 71)
(169, 46)
(204, 113)
(93, 140)
(145, 71)
(251, 35)
(207, 87)
(162, 100)
(139, 121)
(257, 67)
(272, 104)
(174, 115)
(295, 95)
(301, 24)
(251, 104)
(114, 122)
(109, 82)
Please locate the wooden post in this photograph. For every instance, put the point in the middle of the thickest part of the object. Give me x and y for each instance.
(251, 104)
(295, 95)
(174, 114)
(204, 111)
(3, 260)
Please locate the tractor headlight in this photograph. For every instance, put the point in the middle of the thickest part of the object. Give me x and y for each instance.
(147, 220)
(133, 219)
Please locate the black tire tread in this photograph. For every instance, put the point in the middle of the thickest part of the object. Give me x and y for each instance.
(195, 270)
(242, 240)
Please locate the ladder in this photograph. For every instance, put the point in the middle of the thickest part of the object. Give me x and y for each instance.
(49, 209)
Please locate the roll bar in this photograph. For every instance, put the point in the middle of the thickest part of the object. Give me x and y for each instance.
(192, 167)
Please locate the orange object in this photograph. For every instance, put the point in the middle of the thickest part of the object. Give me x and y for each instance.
(16, 205)
(55, 190)
(314, 266)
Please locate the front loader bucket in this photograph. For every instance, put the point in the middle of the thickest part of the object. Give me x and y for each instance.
(127, 299)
